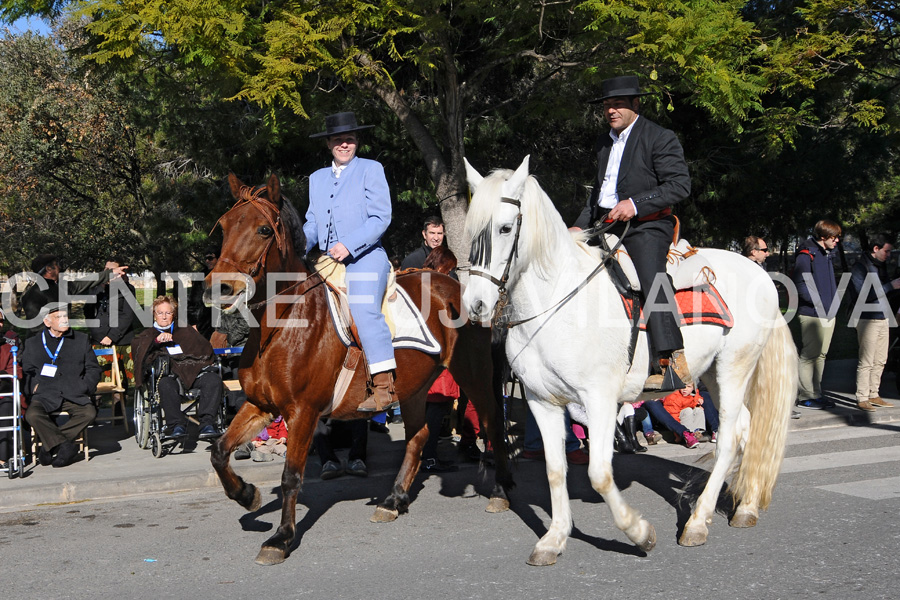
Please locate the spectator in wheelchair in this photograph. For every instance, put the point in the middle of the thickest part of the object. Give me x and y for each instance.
(61, 374)
(191, 366)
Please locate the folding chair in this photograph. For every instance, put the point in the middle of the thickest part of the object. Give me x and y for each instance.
(112, 388)
(81, 440)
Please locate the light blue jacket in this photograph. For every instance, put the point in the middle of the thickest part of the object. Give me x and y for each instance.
(358, 203)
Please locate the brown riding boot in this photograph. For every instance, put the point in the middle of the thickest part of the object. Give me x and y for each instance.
(665, 382)
(382, 396)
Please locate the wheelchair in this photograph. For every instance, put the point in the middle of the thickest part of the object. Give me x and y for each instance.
(148, 413)
(12, 424)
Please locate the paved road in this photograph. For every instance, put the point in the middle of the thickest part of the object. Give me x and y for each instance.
(831, 533)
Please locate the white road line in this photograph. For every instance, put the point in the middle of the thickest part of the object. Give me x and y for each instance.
(834, 460)
(870, 489)
(816, 436)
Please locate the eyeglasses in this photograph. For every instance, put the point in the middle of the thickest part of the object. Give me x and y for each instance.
(766, 250)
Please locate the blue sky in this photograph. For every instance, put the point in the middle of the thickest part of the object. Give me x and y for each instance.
(34, 24)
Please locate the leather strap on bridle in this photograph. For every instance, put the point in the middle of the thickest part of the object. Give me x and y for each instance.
(254, 197)
(503, 300)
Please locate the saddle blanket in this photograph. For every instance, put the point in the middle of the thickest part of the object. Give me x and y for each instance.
(408, 327)
(700, 305)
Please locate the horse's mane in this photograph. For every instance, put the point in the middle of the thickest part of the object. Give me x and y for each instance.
(543, 227)
(293, 223)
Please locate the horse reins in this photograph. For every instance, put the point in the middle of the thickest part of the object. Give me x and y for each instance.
(503, 301)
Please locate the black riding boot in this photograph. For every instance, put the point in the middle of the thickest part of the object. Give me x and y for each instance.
(622, 442)
(631, 434)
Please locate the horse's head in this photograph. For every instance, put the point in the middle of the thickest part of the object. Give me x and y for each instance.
(494, 225)
(260, 234)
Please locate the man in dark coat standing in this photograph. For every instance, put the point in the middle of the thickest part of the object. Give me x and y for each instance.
(61, 373)
(115, 317)
(642, 174)
(49, 289)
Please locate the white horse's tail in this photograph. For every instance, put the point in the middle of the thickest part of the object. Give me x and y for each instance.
(770, 398)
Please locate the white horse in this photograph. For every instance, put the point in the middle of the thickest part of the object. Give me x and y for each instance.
(576, 350)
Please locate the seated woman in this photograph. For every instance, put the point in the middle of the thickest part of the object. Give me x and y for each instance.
(191, 361)
(682, 403)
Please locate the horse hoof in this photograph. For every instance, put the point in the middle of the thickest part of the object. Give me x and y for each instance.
(542, 558)
(692, 537)
(269, 556)
(649, 543)
(742, 519)
(497, 505)
(256, 502)
(384, 515)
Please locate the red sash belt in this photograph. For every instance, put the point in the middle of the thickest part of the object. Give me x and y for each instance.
(660, 214)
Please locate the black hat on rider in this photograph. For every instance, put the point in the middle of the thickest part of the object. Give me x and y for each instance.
(624, 85)
(339, 123)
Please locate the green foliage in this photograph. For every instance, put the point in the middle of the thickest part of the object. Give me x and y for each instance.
(786, 109)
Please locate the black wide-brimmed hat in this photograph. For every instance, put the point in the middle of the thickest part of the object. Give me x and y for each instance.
(344, 122)
(41, 262)
(625, 85)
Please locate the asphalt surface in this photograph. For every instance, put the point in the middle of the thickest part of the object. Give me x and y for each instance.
(119, 468)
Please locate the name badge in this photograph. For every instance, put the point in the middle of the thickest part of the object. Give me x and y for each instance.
(48, 370)
(174, 349)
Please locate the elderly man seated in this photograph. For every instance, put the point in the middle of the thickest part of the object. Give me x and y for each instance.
(191, 362)
(61, 374)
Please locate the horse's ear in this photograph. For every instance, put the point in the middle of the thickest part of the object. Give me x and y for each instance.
(274, 187)
(473, 176)
(235, 184)
(517, 180)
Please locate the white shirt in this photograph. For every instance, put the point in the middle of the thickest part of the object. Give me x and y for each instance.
(337, 170)
(608, 195)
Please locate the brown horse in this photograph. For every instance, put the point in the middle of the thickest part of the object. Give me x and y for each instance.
(292, 370)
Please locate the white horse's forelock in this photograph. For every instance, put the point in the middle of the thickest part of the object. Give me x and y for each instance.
(485, 201)
(538, 214)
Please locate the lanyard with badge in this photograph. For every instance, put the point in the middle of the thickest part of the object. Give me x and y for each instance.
(49, 369)
(174, 349)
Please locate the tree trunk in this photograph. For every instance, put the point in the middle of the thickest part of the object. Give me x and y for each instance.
(449, 180)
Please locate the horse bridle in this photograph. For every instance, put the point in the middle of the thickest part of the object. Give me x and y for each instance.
(248, 195)
(503, 301)
(254, 197)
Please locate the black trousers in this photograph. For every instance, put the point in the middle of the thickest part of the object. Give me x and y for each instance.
(647, 242)
(210, 386)
(331, 434)
(51, 434)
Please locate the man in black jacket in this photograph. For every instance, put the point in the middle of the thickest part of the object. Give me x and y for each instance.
(115, 316)
(870, 283)
(61, 373)
(433, 236)
(50, 289)
(642, 174)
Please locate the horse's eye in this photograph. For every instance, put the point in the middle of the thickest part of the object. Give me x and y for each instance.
(264, 230)
(506, 229)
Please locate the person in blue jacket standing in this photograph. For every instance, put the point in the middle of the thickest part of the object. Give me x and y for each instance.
(349, 211)
(816, 292)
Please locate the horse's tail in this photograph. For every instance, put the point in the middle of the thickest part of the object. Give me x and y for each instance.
(770, 398)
